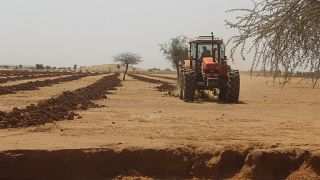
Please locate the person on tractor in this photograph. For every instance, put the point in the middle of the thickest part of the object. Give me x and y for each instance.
(205, 53)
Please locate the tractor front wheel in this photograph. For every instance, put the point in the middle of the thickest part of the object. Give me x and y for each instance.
(180, 87)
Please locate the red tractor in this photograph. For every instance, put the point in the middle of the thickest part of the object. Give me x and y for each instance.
(208, 70)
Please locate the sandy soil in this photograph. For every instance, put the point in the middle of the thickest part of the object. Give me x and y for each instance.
(28, 80)
(138, 115)
(24, 98)
(166, 74)
(272, 133)
(107, 67)
(158, 78)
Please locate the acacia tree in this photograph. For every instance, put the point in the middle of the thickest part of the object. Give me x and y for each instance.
(175, 50)
(284, 35)
(127, 59)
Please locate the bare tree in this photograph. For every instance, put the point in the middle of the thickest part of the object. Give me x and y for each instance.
(127, 59)
(284, 35)
(175, 50)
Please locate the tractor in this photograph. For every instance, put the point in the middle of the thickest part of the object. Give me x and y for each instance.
(207, 69)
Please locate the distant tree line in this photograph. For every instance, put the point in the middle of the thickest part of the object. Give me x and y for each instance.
(42, 67)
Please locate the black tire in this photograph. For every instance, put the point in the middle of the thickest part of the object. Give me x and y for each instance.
(188, 86)
(180, 86)
(222, 93)
(234, 87)
(181, 94)
(230, 91)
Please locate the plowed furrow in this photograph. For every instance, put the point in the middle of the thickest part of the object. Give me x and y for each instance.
(59, 108)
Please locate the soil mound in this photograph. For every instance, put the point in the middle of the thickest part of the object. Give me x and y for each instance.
(60, 108)
(35, 85)
(163, 77)
(164, 87)
(7, 76)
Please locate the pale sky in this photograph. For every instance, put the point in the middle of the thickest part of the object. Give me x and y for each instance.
(91, 32)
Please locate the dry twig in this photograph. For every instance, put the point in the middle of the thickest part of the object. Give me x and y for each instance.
(284, 36)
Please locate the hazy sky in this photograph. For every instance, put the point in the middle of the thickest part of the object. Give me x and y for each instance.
(91, 32)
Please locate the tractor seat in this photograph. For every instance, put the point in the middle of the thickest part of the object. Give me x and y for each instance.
(209, 64)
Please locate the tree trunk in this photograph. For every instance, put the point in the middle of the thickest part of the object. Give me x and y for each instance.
(125, 72)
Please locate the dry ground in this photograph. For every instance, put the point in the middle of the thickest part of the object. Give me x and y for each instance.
(25, 98)
(10, 83)
(268, 117)
(138, 115)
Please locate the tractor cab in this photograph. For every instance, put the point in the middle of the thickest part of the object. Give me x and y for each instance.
(207, 69)
(198, 46)
(207, 59)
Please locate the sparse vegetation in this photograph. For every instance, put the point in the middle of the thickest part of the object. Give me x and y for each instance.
(175, 50)
(88, 122)
(127, 59)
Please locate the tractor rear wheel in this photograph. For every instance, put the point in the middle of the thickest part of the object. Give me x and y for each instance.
(230, 92)
(222, 94)
(188, 86)
(234, 87)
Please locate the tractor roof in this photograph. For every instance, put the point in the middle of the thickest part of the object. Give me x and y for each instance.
(205, 40)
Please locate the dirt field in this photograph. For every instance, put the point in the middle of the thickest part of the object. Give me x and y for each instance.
(24, 98)
(273, 133)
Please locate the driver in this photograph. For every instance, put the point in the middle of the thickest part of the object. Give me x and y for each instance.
(205, 53)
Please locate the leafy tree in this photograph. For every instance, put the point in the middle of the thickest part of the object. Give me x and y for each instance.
(20, 66)
(175, 50)
(118, 67)
(127, 59)
(284, 35)
(75, 67)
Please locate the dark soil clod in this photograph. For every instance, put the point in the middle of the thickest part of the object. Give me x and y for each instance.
(164, 87)
(60, 108)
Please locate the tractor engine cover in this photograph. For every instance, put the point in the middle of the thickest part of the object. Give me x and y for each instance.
(209, 65)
